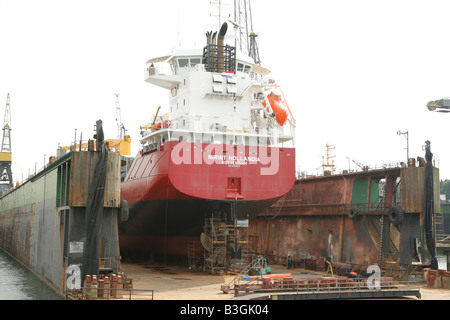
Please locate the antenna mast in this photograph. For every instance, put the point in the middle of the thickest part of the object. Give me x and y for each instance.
(246, 38)
(246, 41)
(327, 165)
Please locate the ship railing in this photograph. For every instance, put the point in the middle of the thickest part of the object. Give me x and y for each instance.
(384, 166)
(300, 207)
(112, 263)
(243, 138)
(340, 286)
(375, 207)
(345, 285)
(240, 136)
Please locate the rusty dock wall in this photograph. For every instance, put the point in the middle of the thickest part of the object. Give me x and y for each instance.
(351, 218)
(43, 221)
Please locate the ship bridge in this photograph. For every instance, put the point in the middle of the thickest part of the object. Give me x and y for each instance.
(220, 92)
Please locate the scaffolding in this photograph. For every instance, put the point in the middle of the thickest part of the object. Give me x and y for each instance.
(196, 254)
(226, 244)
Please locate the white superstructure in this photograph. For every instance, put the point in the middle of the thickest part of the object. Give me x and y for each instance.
(217, 93)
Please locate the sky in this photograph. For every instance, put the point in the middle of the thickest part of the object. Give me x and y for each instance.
(353, 72)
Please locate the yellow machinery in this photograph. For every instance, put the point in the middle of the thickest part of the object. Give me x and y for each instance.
(329, 269)
(151, 126)
(122, 146)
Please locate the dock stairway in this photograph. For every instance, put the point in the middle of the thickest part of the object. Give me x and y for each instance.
(393, 252)
(409, 269)
(441, 236)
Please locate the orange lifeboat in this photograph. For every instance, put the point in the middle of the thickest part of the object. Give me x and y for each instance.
(157, 126)
(160, 125)
(277, 107)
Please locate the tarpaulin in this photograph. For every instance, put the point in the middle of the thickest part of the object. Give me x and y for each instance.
(428, 207)
(94, 209)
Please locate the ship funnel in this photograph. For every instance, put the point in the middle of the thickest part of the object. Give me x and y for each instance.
(220, 47)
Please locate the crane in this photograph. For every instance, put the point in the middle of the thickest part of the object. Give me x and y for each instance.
(121, 144)
(363, 167)
(6, 180)
(120, 127)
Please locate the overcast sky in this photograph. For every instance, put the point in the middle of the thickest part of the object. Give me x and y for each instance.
(354, 72)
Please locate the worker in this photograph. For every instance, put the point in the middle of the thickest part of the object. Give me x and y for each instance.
(290, 263)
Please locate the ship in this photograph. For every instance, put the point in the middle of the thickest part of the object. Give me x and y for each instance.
(226, 147)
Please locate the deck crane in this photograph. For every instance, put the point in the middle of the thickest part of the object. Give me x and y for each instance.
(6, 180)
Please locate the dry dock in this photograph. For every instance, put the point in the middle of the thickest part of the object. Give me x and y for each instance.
(173, 283)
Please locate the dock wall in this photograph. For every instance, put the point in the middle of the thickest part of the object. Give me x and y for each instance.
(43, 222)
(347, 218)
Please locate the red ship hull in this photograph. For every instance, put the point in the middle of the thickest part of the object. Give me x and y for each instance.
(172, 190)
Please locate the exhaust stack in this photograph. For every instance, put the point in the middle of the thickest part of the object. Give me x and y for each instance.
(220, 47)
(214, 52)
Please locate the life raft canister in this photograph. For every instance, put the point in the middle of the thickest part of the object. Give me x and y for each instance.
(277, 107)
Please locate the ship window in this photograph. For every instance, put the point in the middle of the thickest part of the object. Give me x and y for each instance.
(183, 62)
(247, 69)
(218, 88)
(231, 89)
(195, 62)
(240, 67)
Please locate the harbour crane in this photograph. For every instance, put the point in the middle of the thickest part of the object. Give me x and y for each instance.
(123, 142)
(120, 127)
(363, 167)
(6, 180)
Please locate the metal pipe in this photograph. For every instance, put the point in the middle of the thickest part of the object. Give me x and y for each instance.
(220, 47)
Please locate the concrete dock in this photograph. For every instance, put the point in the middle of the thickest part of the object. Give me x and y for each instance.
(179, 283)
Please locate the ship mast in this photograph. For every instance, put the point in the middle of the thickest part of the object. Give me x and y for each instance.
(242, 21)
(246, 37)
(327, 165)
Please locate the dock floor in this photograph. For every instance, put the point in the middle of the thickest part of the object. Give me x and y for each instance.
(179, 283)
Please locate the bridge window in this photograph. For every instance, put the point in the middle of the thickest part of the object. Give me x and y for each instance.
(195, 62)
(183, 62)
